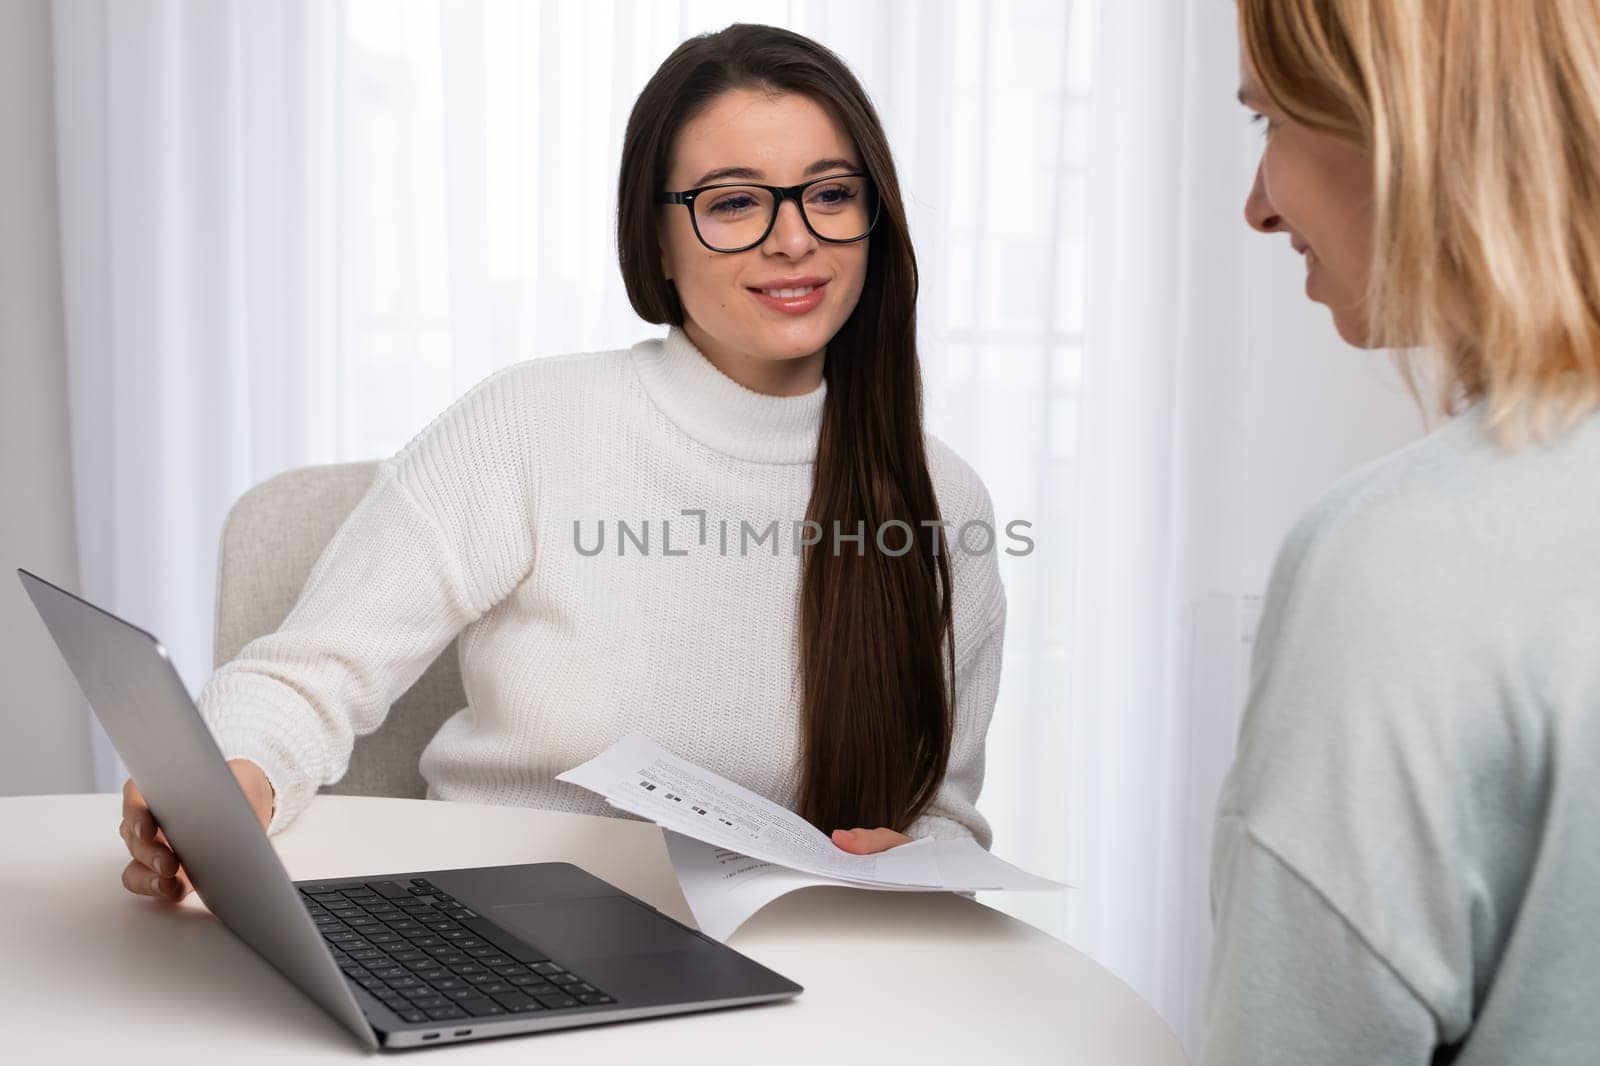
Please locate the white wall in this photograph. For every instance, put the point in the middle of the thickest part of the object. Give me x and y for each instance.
(44, 741)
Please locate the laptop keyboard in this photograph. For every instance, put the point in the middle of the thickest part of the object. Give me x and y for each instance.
(428, 957)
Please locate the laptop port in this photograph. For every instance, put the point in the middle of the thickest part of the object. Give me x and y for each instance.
(463, 1032)
(430, 1036)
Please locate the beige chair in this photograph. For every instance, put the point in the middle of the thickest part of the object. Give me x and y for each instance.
(273, 536)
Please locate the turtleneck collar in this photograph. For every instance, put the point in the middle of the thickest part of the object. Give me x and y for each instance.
(721, 413)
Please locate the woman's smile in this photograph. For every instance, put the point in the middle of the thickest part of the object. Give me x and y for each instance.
(790, 296)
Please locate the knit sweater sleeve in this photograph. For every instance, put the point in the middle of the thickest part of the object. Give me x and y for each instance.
(1291, 979)
(979, 609)
(443, 534)
(954, 812)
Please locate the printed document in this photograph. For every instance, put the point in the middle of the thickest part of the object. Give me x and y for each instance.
(734, 851)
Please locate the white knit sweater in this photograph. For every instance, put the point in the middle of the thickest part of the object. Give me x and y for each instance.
(470, 530)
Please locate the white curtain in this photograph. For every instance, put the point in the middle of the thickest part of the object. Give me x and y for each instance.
(1160, 619)
(295, 230)
(199, 202)
(1217, 404)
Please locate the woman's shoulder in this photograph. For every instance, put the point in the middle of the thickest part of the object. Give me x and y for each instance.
(545, 393)
(564, 371)
(1368, 546)
(963, 496)
(1454, 550)
(974, 543)
(529, 397)
(1458, 499)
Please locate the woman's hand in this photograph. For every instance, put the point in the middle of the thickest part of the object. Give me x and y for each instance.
(868, 841)
(155, 870)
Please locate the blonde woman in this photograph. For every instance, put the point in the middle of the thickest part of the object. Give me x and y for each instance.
(1407, 865)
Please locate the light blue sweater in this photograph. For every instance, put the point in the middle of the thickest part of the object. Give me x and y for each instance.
(1407, 858)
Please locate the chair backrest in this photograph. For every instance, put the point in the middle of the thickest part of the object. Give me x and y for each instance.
(272, 538)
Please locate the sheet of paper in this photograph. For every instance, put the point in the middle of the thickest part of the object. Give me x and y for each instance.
(724, 888)
(966, 867)
(638, 776)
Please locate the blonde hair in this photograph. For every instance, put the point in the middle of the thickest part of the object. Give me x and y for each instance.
(1482, 118)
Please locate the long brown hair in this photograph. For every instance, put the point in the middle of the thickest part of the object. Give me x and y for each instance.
(875, 629)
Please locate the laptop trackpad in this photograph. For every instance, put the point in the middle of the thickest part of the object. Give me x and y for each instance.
(597, 928)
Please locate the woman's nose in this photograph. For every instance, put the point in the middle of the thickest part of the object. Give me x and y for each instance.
(789, 234)
(1258, 209)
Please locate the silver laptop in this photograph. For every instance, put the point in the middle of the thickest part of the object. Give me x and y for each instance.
(403, 959)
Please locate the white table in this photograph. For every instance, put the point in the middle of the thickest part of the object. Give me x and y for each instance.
(94, 975)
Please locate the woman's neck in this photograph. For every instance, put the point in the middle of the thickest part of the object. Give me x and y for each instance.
(799, 376)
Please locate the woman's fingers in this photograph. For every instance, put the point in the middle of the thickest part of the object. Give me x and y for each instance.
(183, 886)
(133, 804)
(868, 841)
(142, 881)
(147, 845)
(155, 870)
(162, 877)
(138, 825)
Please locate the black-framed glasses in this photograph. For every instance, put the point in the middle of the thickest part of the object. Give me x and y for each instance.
(839, 209)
